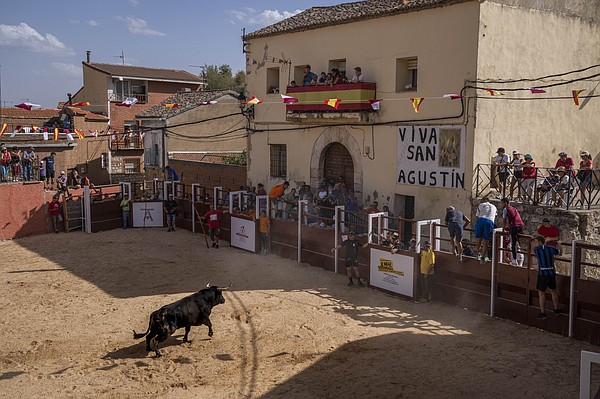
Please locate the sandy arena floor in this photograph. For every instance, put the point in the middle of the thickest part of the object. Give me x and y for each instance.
(287, 330)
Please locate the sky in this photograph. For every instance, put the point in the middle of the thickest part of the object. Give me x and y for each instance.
(43, 43)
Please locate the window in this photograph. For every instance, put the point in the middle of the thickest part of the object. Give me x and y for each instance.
(123, 89)
(104, 161)
(340, 64)
(278, 160)
(406, 73)
(272, 80)
(132, 165)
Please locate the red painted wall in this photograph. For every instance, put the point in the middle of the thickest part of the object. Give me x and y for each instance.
(23, 210)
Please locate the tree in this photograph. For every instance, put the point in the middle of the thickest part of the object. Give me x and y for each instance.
(240, 159)
(221, 78)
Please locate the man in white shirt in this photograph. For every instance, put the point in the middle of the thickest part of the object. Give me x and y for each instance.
(484, 227)
(358, 76)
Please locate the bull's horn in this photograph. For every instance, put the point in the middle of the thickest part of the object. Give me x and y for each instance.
(224, 288)
(208, 285)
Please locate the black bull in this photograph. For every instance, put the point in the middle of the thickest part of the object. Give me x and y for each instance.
(193, 310)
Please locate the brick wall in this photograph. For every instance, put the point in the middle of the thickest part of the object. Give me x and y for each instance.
(24, 210)
(230, 177)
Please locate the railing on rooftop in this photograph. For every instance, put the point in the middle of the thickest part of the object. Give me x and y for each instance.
(353, 97)
(142, 98)
(580, 189)
(126, 142)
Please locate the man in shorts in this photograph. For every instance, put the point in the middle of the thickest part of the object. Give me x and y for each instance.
(54, 209)
(171, 210)
(49, 160)
(214, 224)
(456, 222)
(484, 227)
(501, 162)
(352, 245)
(546, 274)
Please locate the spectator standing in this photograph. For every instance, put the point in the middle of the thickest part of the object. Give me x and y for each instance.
(27, 160)
(261, 189)
(486, 214)
(512, 223)
(517, 170)
(546, 275)
(427, 270)
(501, 162)
(549, 232)
(171, 210)
(358, 76)
(125, 202)
(291, 200)
(264, 230)
(352, 245)
(15, 163)
(49, 161)
(565, 160)
(276, 197)
(585, 174)
(309, 78)
(529, 176)
(170, 174)
(54, 209)
(4, 164)
(214, 224)
(456, 222)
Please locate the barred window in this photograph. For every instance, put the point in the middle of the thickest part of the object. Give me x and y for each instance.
(278, 160)
(132, 166)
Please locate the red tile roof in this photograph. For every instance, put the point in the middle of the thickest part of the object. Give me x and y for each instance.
(146, 73)
(19, 113)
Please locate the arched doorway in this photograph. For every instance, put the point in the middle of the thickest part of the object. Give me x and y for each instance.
(338, 164)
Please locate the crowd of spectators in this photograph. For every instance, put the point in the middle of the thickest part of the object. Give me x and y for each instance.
(334, 77)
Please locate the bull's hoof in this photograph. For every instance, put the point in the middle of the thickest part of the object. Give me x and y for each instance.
(158, 355)
(210, 333)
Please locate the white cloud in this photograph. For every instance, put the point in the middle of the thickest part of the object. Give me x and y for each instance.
(92, 22)
(134, 2)
(139, 26)
(26, 38)
(67, 69)
(261, 18)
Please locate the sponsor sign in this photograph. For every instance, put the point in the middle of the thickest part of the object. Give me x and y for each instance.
(243, 234)
(147, 214)
(392, 272)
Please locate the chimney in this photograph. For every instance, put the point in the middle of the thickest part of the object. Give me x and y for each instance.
(87, 55)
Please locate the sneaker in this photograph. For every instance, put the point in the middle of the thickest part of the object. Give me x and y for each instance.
(213, 244)
(460, 259)
(556, 312)
(454, 251)
(169, 230)
(360, 283)
(350, 283)
(478, 256)
(484, 260)
(542, 316)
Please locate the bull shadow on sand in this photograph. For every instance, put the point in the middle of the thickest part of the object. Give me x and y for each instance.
(137, 350)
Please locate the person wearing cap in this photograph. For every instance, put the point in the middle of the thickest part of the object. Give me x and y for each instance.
(27, 162)
(549, 232)
(171, 211)
(584, 175)
(352, 245)
(426, 271)
(456, 222)
(512, 223)
(517, 171)
(61, 182)
(565, 161)
(501, 162)
(125, 210)
(529, 176)
(562, 186)
(15, 163)
(358, 76)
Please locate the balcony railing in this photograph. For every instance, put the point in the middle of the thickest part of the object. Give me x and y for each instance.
(142, 98)
(124, 142)
(354, 97)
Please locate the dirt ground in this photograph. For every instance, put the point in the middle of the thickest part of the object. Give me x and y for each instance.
(287, 330)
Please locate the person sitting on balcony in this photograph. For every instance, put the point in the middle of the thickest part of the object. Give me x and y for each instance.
(358, 76)
(329, 79)
(565, 160)
(547, 186)
(562, 186)
(76, 179)
(322, 79)
(293, 84)
(337, 76)
(309, 78)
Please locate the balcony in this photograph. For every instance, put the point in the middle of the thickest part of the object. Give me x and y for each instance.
(142, 98)
(124, 142)
(354, 97)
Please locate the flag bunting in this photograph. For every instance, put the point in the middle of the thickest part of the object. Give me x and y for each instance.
(81, 104)
(28, 106)
(129, 101)
(416, 103)
(55, 133)
(333, 102)
(288, 99)
(576, 94)
(375, 104)
(253, 101)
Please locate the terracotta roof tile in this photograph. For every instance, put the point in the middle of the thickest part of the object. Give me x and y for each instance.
(187, 102)
(146, 73)
(19, 113)
(319, 17)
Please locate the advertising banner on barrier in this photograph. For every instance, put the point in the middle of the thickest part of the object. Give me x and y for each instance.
(392, 272)
(242, 234)
(147, 214)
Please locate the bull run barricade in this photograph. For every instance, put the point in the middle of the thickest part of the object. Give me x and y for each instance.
(570, 189)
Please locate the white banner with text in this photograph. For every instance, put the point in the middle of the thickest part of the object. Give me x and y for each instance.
(243, 234)
(392, 272)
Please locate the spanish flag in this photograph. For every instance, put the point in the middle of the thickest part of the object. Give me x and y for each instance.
(253, 101)
(79, 133)
(416, 103)
(81, 104)
(55, 133)
(3, 129)
(576, 94)
(172, 105)
(333, 102)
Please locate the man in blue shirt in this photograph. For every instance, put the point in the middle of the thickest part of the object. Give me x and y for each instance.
(309, 78)
(171, 174)
(49, 170)
(546, 274)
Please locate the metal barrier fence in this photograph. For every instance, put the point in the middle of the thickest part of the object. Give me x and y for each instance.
(545, 186)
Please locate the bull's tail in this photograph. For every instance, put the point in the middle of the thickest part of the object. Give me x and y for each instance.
(138, 335)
